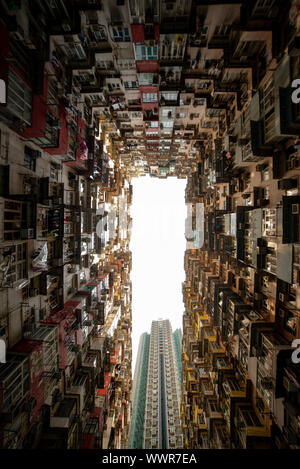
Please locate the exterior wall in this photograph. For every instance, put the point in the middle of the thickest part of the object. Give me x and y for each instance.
(139, 394)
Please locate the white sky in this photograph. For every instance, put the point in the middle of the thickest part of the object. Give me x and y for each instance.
(157, 243)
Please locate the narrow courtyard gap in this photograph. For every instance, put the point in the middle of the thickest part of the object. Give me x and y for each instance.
(157, 244)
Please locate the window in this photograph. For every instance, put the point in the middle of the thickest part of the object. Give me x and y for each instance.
(91, 17)
(130, 85)
(145, 79)
(265, 174)
(247, 49)
(149, 97)
(105, 64)
(98, 33)
(172, 50)
(166, 112)
(19, 97)
(30, 158)
(134, 102)
(69, 286)
(126, 64)
(88, 78)
(222, 30)
(120, 33)
(73, 51)
(113, 86)
(16, 260)
(52, 96)
(15, 382)
(82, 277)
(169, 96)
(262, 7)
(146, 52)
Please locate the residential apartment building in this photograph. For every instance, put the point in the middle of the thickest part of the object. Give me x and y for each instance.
(96, 93)
(65, 288)
(156, 390)
(240, 384)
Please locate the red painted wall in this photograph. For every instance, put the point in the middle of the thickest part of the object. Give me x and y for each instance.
(138, 32)
(147, 66)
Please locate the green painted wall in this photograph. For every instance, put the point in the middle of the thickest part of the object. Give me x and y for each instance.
(137, 423)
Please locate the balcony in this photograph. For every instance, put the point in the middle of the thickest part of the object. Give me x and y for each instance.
(212, 409)
(14, 382)
(97, 343)
(250, 430)
(220, 437)
(107, 429)
(64, 414)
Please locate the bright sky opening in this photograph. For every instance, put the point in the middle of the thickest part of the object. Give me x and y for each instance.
(158, 245)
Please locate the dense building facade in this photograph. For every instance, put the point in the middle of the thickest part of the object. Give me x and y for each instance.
(94, 93)
(139, 390)
(156, 390)
(241, 376)
(65, 289)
